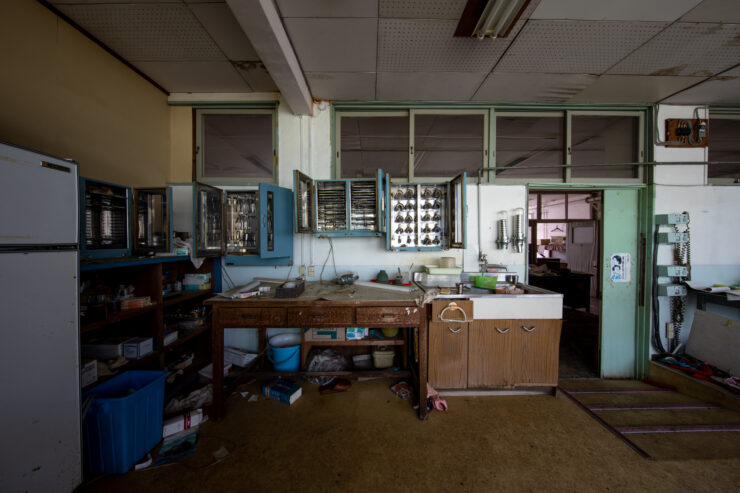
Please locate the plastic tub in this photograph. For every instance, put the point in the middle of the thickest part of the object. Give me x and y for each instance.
(383, 357)
(124, 421)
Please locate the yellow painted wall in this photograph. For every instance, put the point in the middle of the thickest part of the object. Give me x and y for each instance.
(181, 144)
(62, 94)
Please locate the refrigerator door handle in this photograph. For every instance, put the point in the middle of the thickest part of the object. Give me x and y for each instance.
(56, 167)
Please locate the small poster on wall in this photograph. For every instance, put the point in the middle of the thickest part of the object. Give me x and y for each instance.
(620, 264)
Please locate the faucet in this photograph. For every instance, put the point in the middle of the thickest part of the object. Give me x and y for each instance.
(482, 261)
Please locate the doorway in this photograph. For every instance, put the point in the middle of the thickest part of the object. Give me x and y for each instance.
(564, 257)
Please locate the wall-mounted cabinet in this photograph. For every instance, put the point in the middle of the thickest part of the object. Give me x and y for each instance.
(248, 227)
(350, 207)
(426, 216)
(104, 220)
(152, 224)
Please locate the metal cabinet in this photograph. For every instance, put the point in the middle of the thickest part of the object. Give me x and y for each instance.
(426, 216)
(152, 220)
(347, 207)
(104, 219)
(248, 227)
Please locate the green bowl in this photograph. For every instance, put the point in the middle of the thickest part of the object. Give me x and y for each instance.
(485, 282)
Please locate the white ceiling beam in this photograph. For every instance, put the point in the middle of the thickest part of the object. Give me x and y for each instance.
(261, 23)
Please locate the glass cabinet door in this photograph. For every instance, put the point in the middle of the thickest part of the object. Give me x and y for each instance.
(242, 222)
(208, 221)
(304, 203)
(152, 219)
(457, 212)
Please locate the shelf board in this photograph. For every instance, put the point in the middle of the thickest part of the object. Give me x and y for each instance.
(346, 373)
(186, 296)
(189, 334)
(363, 342)
(118, 317)
(130, 365)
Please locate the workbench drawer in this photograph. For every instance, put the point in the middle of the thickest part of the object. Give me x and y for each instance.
(248, 317)
(317, 316)
(395, 315)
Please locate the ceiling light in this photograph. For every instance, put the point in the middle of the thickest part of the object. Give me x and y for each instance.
(490, 18)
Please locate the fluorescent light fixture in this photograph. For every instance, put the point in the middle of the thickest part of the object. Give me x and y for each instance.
(498, 17)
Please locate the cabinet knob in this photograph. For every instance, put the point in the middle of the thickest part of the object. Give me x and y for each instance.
(529, 330)
(502, 331)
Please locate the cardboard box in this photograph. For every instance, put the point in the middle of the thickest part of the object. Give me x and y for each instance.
(282, 390)
(88, 372)
(138, 347)
(238, 357)
(170, 337)
(104, 349)
(207, 371)
(356, 333)
(182, 422)
(323, 334)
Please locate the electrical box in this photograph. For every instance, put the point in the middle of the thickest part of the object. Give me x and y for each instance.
(686, 132)
(673, 237)
(672, 219)
(671, 290)
(673, 271)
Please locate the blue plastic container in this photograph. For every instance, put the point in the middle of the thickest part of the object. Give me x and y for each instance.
(124, 421)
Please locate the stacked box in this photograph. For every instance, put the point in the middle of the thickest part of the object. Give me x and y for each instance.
(323, 334)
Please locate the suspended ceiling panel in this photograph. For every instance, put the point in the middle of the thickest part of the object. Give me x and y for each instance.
(633, 88)
(715, 11)
(137, 32)
(422, 9)
(580, 47)
(334, 45)
(189, 76)
(420, 45)
(328, 8)
(255, 75)
(723, 89)
(540, 88)
(696, 49)
(611, 10)
(218, 20)
(342, 86)
(426, 86)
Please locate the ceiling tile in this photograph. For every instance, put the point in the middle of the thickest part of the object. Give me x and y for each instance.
(715, 11)
(334, 45)
(699, 49)
(150, 32)
(723, 89)
(581, 47)
(632, 89)
(417, 45)
(62, 2)
(609, 10)
(342, 86)
(536, 88)
(195, 76)
(255, 74)
(422, 9)
(221, 25)
(428, 86)
(328, 8)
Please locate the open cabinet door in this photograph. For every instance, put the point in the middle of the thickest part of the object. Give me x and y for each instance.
(456, 227)
(276, 218)
(380, 227)
(303, 186)
(208, 212)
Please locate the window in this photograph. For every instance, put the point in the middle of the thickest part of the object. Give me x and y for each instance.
(600, 145)
(527, 144)
(724, 147)
(236, 146)
(440, 143)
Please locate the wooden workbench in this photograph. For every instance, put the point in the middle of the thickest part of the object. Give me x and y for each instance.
(320, 305)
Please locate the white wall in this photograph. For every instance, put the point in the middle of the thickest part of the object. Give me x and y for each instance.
(714, 215)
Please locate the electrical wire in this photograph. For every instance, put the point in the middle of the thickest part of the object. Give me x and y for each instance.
(226, 275)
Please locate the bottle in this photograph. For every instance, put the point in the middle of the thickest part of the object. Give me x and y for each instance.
(382, 277)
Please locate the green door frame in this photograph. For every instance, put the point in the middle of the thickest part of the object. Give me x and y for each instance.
(643, 262)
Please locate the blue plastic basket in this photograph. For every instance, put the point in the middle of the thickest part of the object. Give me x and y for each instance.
(124, 421)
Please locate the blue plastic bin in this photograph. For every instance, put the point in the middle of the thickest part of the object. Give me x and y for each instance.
(124, 421)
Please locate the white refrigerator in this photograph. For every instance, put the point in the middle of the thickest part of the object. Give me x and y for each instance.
(39, 322)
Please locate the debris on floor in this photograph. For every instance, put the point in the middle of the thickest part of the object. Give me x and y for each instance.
(282, 390)
(402, 389)
(337, 385)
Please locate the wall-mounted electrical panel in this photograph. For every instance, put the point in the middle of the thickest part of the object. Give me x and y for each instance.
(661, 219)
(673, 271)
(672, 290)
(686, 132)
(673, 237)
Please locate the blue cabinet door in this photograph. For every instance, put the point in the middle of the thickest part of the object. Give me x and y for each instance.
(276, 221)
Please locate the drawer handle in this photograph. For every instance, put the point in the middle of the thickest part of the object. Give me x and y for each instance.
(319, 315)
(502, 331)
(249, 315)
(529, 330)
(452, 307)
(388, 315)
(454, 331)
